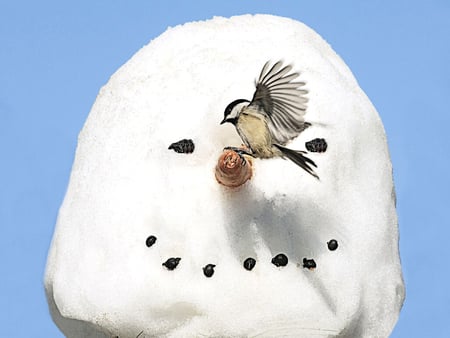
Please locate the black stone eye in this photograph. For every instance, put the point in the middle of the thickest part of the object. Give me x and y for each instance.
(184, 146)
(332, 245)
(249, 264)
(309, 263)
(171, 263)
(150, 241)
(318, 145)
(280, 260)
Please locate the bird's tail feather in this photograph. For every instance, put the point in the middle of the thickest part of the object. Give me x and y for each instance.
(298, 158)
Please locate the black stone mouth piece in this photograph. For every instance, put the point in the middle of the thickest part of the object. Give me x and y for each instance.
(280, 260)
(309, 263)
(172, 263)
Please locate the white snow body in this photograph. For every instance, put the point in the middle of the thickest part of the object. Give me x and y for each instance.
(103, 281)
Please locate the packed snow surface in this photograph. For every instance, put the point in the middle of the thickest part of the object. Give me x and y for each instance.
(105, 277)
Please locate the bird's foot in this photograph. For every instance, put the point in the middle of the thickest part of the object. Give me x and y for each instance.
(241, 152)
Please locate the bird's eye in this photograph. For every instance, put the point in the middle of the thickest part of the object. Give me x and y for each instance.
(183, 146)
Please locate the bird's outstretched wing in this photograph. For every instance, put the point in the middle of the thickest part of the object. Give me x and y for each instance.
(282, 101)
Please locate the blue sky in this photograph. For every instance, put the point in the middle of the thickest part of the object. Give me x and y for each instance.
(55, 56)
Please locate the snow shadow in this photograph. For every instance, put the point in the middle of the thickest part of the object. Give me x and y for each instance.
(73, 327)
(279, 223)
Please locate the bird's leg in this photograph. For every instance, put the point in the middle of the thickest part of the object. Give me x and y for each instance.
(241, 152)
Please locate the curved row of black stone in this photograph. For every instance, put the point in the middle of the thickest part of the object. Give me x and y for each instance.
(279, 260)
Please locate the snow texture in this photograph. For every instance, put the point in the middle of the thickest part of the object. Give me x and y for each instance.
(102, 280)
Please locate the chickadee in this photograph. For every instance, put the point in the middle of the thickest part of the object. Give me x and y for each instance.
(273, 117)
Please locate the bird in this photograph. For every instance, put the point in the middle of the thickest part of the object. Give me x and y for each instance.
(273, 117)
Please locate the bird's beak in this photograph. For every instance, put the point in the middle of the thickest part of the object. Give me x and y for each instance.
(223, 121)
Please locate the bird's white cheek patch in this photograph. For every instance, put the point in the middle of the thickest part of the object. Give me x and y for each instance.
(148, 244)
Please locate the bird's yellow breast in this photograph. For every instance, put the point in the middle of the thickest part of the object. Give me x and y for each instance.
(255, 133)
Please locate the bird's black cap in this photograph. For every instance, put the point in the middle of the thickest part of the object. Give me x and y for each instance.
(229, 109)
